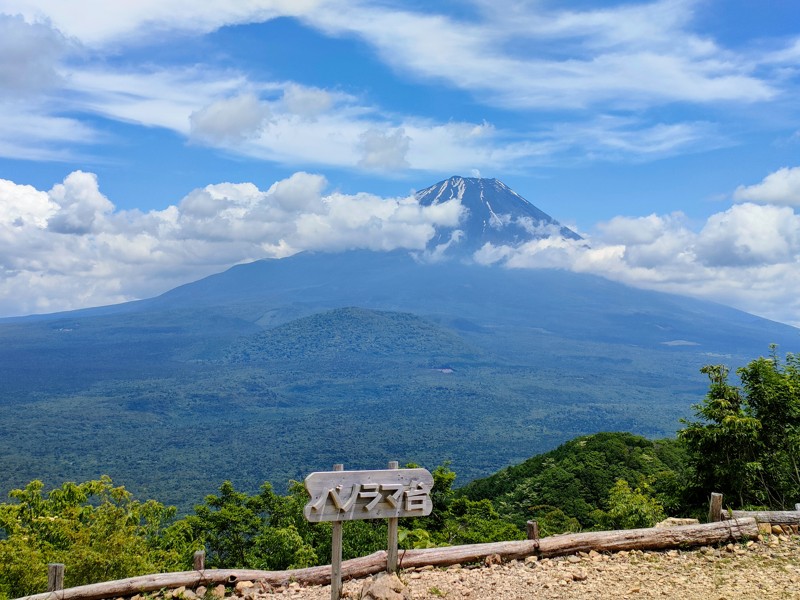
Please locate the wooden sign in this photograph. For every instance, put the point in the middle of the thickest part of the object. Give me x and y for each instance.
(386, 494)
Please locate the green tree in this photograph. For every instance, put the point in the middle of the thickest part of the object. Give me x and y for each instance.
(261, 531)
(630, 508)
(772, 390)
(553, 520)
(100, 532)
(746, 441)
(473, 522)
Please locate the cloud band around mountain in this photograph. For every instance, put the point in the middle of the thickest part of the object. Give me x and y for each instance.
(69, 247)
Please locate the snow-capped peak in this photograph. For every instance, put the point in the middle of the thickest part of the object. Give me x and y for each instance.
(494, 214)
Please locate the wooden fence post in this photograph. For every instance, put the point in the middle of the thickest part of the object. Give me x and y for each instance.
(715, 508)
(55, 577)
(199, 560)
(391, 549)
(336, 553)
(532, 529)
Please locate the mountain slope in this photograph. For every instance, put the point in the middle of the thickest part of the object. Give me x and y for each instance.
(567, 304)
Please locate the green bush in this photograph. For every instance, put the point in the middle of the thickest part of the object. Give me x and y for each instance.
(262, 531)
(98, 531)
(630, 508)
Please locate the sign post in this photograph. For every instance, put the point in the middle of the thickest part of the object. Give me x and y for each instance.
(336, 552)
(341, 495)
(391, 535)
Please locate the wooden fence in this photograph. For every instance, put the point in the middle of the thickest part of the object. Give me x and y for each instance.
(774, 517)
(721, 531)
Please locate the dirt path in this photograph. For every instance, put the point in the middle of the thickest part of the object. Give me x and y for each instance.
(765, 569)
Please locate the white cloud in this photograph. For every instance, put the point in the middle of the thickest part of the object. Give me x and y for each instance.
(626, 55)
(97, 23)
(229, 120)
(24, 205)
(308, 102)
(747, 256)
(289, 123)
(781, 187)
(643, 53)
(384, 150)
(617, 59)
(153, 97)
(28, 132)
(81, 205)
(69, 247)
(750, 234)
(30, 54)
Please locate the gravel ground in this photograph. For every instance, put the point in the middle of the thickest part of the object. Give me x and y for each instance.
(763, 569)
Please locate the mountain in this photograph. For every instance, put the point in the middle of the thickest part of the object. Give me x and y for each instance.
(495, 215)
(277, 368)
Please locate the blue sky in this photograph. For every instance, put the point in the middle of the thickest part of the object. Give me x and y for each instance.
(146, 144)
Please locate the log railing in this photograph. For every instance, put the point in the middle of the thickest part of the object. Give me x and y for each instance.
(599, 541)
(774, 517)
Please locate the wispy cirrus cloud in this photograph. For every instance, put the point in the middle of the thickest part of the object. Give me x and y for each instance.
(621, 61)
(526, 55)
(139, 22)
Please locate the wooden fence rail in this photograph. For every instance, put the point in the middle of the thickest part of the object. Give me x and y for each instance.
(600, 541)
(775, 517)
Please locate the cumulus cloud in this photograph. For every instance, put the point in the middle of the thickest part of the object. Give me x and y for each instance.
(781, 187)
(229, 120)
(750, 235)
(81, 205)
(384, 150)
(24, 206)
(747, 256)
(31, 52)
(70, 247)
(307, 102)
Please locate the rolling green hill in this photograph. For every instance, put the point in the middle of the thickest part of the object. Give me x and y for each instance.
(576, 477)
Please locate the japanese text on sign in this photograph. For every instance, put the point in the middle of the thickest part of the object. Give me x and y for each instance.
(348, 495)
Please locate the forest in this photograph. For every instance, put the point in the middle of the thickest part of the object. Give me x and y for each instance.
(743, 440)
